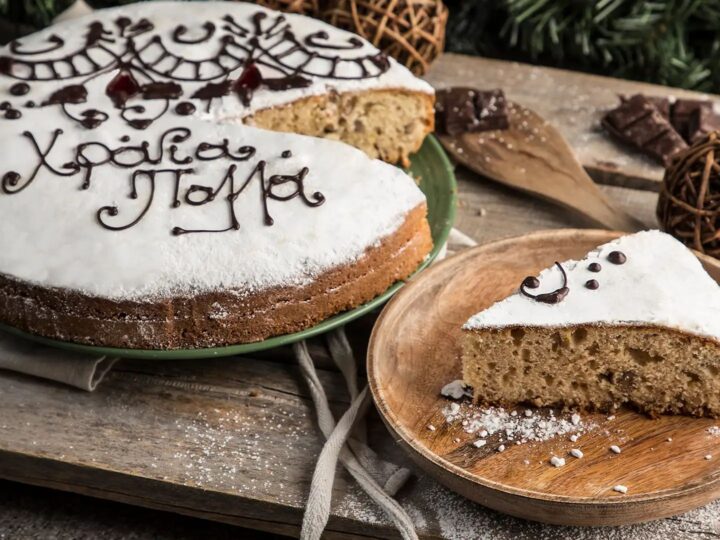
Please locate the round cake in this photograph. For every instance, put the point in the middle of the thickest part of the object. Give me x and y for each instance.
(139, 209)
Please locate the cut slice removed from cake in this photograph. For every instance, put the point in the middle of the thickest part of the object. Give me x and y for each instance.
(635, 322)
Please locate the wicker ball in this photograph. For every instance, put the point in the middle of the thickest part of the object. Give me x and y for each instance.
(303, 7)
(411, 31)
(689, 202)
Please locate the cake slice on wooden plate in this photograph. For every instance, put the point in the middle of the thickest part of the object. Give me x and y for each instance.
(635, 322)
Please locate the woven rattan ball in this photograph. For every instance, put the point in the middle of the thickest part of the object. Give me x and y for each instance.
(689, 202)
(304, 7)
(411, 31)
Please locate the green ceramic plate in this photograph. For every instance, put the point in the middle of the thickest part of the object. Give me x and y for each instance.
(437, 181)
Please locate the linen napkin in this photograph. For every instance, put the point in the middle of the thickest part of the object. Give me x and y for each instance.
(75, 369)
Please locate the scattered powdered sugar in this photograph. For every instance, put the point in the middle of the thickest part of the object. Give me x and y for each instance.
(517, 428)
(557, 461)
(615, 449)
(577, 453)
(620, 488)
(714, 431)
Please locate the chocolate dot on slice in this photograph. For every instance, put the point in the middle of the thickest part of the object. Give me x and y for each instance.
(617, 257)
(592, 284)
(594, 267)
(531, 282)
(19, 89)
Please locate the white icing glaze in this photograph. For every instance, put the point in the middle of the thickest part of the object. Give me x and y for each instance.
(166, 16)
(661, 284)
(49, 234)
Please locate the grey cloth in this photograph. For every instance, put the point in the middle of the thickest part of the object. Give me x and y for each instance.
(346, 440)
(67, 367)
(366, 469)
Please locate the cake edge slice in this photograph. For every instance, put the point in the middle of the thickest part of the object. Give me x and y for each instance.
(654, 369)
(388, 124)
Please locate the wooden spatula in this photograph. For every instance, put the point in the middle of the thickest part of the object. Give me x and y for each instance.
(532, 156)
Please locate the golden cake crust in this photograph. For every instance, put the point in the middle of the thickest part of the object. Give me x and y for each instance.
(218, 318)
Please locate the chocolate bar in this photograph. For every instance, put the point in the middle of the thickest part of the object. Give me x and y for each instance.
(462, 110)
(662, 104)
(683, 110)
(703, 121)
(636, 121)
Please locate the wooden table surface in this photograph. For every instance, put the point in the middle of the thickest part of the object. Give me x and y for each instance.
(234, 440)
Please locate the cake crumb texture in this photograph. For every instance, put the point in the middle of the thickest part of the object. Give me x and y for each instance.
(656, 370)
(385, 124)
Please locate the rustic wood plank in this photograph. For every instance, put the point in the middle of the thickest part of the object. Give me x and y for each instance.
(489, 211)
(173, 422)
(573, 102)
(234, 440)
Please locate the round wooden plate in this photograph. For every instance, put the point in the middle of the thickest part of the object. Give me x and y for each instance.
(414, 351)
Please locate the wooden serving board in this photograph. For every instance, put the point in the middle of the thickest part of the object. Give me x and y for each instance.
(414, 351)
(571, 101)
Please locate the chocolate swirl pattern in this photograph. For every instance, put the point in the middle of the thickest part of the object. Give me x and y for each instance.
(267, 41)
(146, 78)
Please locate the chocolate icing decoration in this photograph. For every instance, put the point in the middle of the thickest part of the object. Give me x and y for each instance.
(592, 284)
(74, 93)
(267, 42)
(161, 90)
(247, 83)
(11, 180)
(317, 40)
(12, 114)
(185, 108)
(286, 83)
(271, 42)
(554, 297)
(90, 155)
(181, 30)
(617, 257)
(6, 65)
(55, 43)
(121, 88)
(531, 282)
(30, 104)
(19, 89)
(212, 91)
(594, 267)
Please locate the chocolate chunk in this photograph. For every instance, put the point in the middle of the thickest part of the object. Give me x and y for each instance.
(682, 111)
(462, 110)
(491, 108)
(662, 104)
(702, 122)
(638, 123)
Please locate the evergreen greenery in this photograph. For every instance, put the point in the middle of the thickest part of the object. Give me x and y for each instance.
(672, 42)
